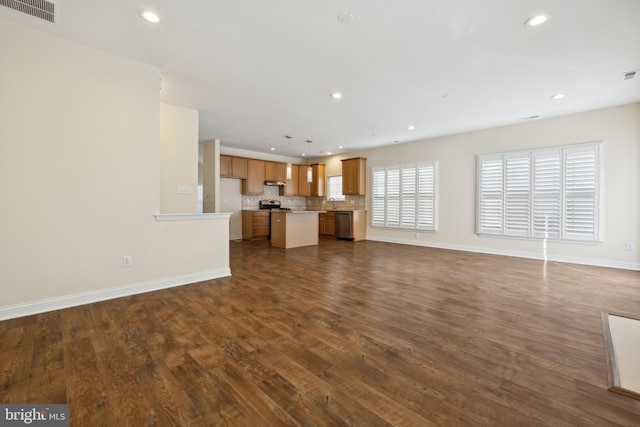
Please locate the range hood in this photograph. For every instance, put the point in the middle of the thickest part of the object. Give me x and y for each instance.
(274, 183)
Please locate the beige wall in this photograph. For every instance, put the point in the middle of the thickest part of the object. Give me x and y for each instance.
(231, 201)
(617, 127)
(178, 159)
(80, 179)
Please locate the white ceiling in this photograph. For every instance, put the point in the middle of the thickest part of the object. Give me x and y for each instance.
(259, 70)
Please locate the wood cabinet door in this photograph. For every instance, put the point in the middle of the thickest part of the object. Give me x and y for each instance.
(225, 166)
(330, 225)
(238, 167)
(233, 167)
(291, 185)
(304, 188)
(274, 171)
(353, 176)
(254, 184)
(318, 182)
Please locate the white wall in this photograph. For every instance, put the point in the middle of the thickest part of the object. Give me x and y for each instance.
(617, 127)
(80, 179)
(178, 159)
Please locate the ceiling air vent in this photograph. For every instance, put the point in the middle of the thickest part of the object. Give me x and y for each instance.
(41, 9)
(629, 75)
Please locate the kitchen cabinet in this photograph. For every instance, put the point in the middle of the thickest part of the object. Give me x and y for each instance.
(327, 224)
(233, 167)
(274, 171)
(354, 176)
(290, 187)
(318, 182)
(304, 187)
(256, 224)
(254, 184)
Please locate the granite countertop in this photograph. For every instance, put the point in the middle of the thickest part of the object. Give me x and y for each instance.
(301, 211)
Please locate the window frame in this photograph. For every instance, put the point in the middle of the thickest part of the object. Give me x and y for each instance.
(411, 191)
(342, 197)
(551, 193)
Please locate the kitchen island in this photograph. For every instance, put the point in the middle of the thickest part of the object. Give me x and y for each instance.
(292, 229)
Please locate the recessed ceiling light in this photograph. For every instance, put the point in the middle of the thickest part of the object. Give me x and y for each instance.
(329, 153)
(152, 17)
(411, 127)
(537, 20)
(345, 17)
(336, 95)
(558, 96)
(272, 148)
(339, 146)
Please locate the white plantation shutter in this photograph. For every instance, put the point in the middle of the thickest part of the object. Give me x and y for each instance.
(490, 187)
(427, 218)
(379, 205)
(405, 196)
(580, 198)
(517, 211)
(408, 197)
(548, 193)
(393, 197)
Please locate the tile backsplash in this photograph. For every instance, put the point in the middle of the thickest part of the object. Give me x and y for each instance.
(311, 203)
(272, 193)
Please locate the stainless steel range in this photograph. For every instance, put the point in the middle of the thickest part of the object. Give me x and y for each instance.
(272, 205)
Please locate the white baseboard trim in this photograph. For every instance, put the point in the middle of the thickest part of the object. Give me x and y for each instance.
(235, 237)
(518, 254)
(50, 304)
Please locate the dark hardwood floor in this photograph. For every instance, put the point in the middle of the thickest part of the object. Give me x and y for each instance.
(365, 333)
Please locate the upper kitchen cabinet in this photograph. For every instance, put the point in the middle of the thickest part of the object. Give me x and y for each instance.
(233, 167)
(290, 187)
(353, 176)
(304, 187)
(318, 184)
(253, 185)
(275, 171)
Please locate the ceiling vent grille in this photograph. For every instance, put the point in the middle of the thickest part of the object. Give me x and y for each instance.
(628, 76)
(41, 9)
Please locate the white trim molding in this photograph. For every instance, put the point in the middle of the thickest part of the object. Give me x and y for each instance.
(518, 254)
(191, 216)
(50, 304)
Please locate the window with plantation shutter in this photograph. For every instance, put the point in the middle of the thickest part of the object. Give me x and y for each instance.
(547, 194)
(517, 209)
(550, 193)
(405, 196)
(581, 196)
(490, 198)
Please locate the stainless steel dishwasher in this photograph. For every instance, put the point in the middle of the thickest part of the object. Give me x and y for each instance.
(344, 219)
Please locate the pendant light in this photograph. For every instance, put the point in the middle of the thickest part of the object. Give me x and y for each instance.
(288, 173)
(309, 170)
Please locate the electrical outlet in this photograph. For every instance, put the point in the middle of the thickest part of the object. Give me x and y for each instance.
(629, 246)
(417, 235)
(127, 261)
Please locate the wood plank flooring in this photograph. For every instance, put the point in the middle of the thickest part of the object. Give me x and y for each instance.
(365, 334)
